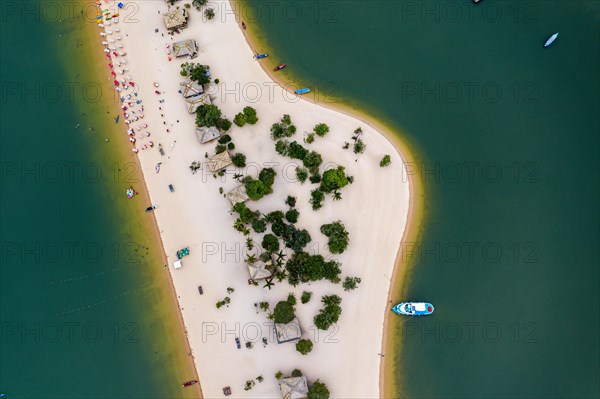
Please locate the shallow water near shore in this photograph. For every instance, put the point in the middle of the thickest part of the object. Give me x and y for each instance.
(86, 309)
(506, 137)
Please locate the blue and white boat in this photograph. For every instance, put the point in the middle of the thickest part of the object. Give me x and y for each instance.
(551, 40)
(413, 308)
(259, 56)
(302, 91)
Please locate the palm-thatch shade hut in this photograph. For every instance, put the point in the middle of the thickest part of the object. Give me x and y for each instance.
(191, 89)
(186, 48)
(176, 18)
(238, 194)
(288, 332)
(294, 387)
(218, 162)
(194, 102)
(207, 134)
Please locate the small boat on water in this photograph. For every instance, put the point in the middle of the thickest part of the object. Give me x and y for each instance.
(302, 91)
(151, 208)
(280, 67)
(189, 383)
(551, 40)
(413, 308)
(259, 56)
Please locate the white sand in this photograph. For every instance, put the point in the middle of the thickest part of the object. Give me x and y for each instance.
(374, 210)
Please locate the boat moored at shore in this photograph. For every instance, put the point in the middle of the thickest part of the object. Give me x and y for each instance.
(413, 308)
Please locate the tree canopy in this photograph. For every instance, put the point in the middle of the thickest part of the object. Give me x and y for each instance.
(333, 179)
(318, 390)
(284, 312)
(338, 236)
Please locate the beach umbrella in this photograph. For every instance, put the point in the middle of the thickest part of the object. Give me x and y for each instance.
(120, 5)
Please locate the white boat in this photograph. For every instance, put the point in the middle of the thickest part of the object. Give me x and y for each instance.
(551, 39)
(413, 308)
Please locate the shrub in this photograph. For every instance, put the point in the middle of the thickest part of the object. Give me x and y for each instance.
(196, 72)
(334, 179)
(224, 139)
(278, 227)
(303, 267)
(209, 13)
(270, 243)
(359, 146)
(321, 129)
(256, 189)
(246, 214)
(292, 215)
(314, 179)
(278, 375)
(291, 299)
(267, 176)
(295, 239)
(301, 174)
(305, 297)
(296, 373)
(224, 124)
(351, 283)
(304, 346)
(284, 312)
(274, 216)
(316, 199)
(239, 160)
(331, 271)
(310, 138)
(338, 237)
(385, 161)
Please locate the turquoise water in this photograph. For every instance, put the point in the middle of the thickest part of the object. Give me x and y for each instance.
(83, 311)
(506, 134)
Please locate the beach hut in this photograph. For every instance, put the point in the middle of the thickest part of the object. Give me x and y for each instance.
(218, 162)
(191, 89)
(238, 194)
(176, 18)
(259, 270)
(207, 134)
(288, 332)
(185, 48)
(294, 387)
(194, 102)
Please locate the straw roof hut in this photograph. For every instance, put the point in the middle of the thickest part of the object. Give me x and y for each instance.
(288, 332)
(191, 89)
(294, 387)
(176, 18)
(185, 48)
(218, 162)
(207, 134)
(238, 194)
(194, 102)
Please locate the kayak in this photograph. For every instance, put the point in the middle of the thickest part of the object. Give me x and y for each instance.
(302, 91)
(259, 56)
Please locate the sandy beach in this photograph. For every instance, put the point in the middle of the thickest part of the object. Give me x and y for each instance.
(374, 209)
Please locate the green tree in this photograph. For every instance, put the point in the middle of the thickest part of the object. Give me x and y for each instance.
(305, 297)
(250, 115)
(270, 243)
(208, 115)
(274, 216)
(239, 160)
(321, 129)
(385, 161)
(310, 138)
(334, 179)
(291, 201)
(296, 151)
(267, 176)
(256, 189)
(318, 390)
(284, 312)
(338, 237)
(224, 124)
(199, 3)
(282, 129)
(330, 313)
(209, 13)
(351, 283)
(359, 146)
(304, 346)
(292, 215)
(301, 174)
(239, 119)
(316, 199)
(282, 147)
(259, 225)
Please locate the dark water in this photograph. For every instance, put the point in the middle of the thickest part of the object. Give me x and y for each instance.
(84, 308)
(506, 134)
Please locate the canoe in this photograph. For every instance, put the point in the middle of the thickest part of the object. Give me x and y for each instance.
(551, 40)
(302, 91)
(259, 56)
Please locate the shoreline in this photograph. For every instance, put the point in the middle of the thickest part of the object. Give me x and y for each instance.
(143, 196)
(415, 213)
(198, 350)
